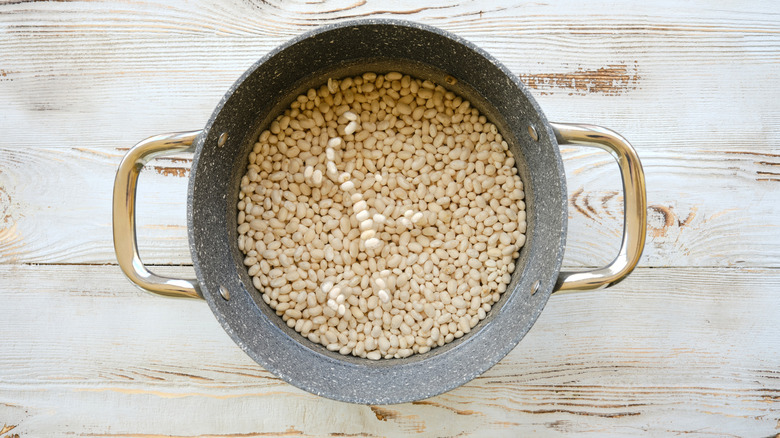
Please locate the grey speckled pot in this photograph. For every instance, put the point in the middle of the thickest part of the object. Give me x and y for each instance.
(269, 86)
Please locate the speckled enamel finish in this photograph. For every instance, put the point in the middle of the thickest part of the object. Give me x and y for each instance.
(269, 86)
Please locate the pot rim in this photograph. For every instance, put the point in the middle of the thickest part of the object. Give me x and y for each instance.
(283, 362)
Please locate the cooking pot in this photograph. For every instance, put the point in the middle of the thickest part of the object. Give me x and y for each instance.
(221, 152)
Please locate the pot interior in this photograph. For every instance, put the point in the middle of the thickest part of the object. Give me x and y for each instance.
(267, 89)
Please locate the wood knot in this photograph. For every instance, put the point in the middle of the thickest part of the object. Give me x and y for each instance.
(383, 414)
(661, 219)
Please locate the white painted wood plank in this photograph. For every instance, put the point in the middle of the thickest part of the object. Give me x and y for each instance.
(665, 352)
(662, 73)
(709, 208)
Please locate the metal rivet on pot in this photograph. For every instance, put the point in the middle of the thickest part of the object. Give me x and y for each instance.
(224, 292)
(222, 139)
(535, 287)
(532, 132)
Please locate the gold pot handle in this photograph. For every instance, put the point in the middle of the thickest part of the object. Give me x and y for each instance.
(125, 244)
(635, 206)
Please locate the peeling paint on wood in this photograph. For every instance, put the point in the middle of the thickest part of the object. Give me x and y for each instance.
(383, 414)
(611, 80)
(172, 171)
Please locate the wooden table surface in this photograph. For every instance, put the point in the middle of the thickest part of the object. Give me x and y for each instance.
(688, 344)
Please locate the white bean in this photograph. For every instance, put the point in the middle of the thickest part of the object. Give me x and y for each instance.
(316, 177)
(373, 243)
(359, 206)
(350, 128)
(367, 224)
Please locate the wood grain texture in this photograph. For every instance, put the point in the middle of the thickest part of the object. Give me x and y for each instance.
(658, 353)
(687, 345)
(696, 216)
(663, 74)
